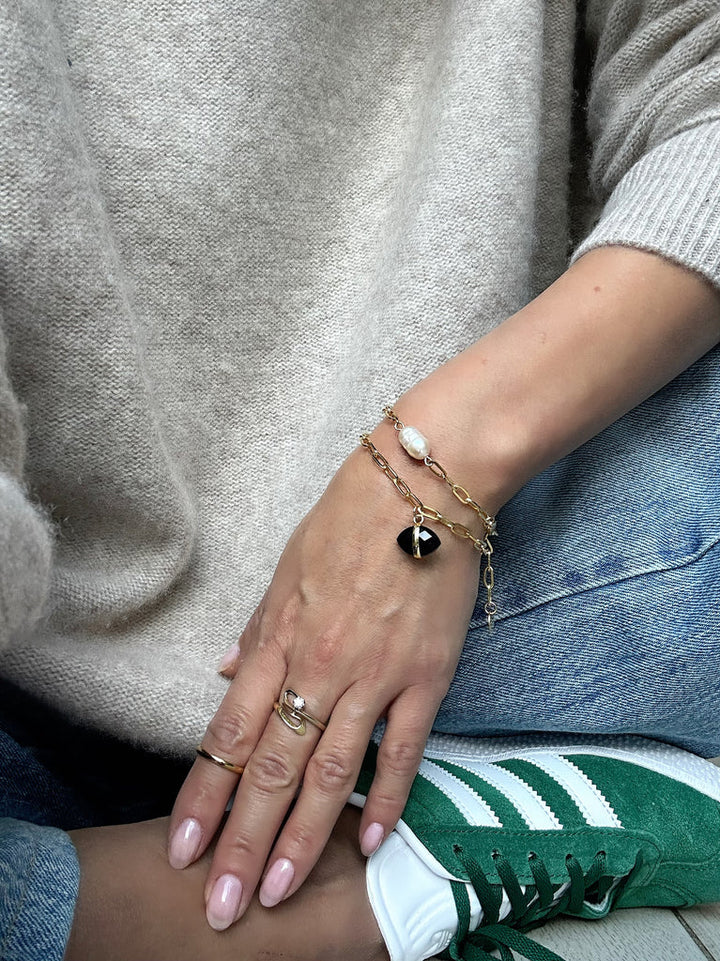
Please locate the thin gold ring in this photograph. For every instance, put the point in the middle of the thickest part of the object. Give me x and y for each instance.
(291, 711)
(221, 762)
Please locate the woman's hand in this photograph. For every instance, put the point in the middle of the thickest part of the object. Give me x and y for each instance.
(360, 630)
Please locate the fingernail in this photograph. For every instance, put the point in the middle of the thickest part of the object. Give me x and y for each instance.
(372, 839)
(228, 658)
(277, 883)
(224, 902)
(185, 843)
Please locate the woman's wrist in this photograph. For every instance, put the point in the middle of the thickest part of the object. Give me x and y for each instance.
(393, 512)
(426, 485)
(615, 328)
(460, 438)
(611, 331)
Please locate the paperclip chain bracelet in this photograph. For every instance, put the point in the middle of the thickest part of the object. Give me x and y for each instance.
(417, 446)
(419, 541)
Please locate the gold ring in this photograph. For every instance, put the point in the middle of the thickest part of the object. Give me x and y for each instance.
(291, 711)
(221, 762)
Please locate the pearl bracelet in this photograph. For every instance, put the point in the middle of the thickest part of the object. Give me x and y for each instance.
(418, 447)
(418, 540)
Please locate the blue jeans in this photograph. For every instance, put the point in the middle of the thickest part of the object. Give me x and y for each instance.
(50, 779)
(607, 575)
(39, 877)
(607, 566)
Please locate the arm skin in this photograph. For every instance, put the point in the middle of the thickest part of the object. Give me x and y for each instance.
(353, 625)
(132, 906)
(616, 327)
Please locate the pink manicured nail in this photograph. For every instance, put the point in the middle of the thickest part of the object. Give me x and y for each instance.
(277, 882)
(372, 839)
(224, 902)
(228, 658)
(185, 843)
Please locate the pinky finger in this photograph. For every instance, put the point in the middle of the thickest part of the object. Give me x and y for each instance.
(230, 661)
(228, 664)
(398, 759)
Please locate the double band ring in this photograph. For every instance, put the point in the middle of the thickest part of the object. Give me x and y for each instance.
(220, 761)
(291, 711)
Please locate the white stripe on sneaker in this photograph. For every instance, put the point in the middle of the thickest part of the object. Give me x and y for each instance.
(593, 805)
(665, 759)
(473, 808)
(534, 811)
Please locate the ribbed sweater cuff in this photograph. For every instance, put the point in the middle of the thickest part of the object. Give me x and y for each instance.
(669, 203)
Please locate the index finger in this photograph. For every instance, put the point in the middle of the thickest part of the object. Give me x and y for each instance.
(231, 737)
(273, 776)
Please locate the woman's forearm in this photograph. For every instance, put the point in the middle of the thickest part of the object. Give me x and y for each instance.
(617, 326)
(133, 905)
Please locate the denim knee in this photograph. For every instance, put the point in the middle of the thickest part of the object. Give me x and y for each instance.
(39, 878)
(607, 566)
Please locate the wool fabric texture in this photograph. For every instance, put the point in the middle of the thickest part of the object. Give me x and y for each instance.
(229, 233)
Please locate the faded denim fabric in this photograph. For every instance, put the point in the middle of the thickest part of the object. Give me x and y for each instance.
(45, 778)
(39, 878)
(607, 578)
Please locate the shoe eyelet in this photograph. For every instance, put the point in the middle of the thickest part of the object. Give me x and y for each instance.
(568, 857)
(495, 855)
(532, 856)
(457, 849)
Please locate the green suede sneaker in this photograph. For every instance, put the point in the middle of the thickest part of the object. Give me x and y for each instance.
(499, 836)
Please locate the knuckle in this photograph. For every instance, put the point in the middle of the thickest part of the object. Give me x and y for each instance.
(229, 731)
(399, 759)
(255, 622)
(438, 687)
(238, 847)
(284, 622)
(356, 710)
(270, 772)
(387, 803)
(326, 649)
(204, 800)
(302, 842)
(435, 663)
(276, 631)
(330, 773)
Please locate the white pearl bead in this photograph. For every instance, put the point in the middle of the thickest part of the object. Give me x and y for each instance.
(414, 442)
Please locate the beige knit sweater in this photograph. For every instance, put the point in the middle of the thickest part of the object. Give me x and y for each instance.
(229, 232)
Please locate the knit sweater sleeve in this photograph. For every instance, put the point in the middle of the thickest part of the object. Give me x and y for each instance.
(653, 118)
(25, 534)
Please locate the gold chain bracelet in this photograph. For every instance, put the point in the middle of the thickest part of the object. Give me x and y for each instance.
(418, 541)
(417, 446)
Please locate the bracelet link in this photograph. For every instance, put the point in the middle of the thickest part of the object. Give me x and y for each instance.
(419, 540)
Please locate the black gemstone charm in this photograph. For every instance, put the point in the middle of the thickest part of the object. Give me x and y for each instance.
(418, 541)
